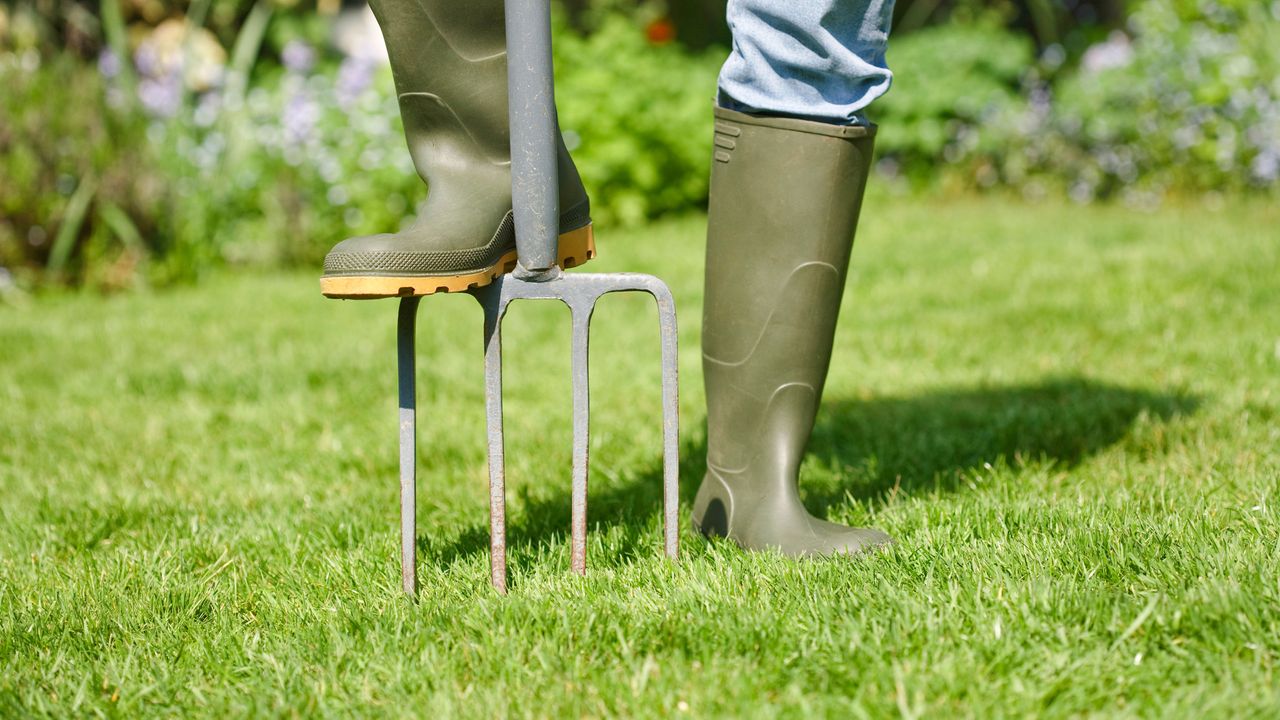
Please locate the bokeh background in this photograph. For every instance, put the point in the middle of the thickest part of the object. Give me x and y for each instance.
(151, 141)
(1056, 384)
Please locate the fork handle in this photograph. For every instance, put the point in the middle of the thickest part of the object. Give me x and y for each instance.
(535, 191)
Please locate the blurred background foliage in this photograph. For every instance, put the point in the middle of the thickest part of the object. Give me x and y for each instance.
(146, 141)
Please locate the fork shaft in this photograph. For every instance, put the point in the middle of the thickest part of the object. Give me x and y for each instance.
(532, 114)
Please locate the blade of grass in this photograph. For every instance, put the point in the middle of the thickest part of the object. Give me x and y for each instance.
(245, 51)
(72, 221)
(121, 225)
(1044, 17)
(117, 39)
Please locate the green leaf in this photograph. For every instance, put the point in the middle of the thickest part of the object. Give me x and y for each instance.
(72, 221)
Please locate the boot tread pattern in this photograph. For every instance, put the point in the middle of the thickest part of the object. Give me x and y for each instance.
(576, 247)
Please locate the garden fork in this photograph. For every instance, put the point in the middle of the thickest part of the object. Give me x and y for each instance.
(535, 194)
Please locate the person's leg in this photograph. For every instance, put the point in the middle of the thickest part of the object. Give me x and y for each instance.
(818, 59)
(786, 193)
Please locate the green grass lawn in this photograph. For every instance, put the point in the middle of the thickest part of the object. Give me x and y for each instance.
(1069, 417)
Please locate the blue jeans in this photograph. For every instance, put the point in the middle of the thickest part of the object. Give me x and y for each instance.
(814, 59)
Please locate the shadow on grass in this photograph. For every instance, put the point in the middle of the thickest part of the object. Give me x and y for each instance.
(905, 445)
(933, 441)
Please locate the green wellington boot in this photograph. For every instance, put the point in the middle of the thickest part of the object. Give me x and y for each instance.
(449, 61)
(785, 196)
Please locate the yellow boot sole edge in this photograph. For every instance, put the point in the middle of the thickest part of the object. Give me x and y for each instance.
(576, 247)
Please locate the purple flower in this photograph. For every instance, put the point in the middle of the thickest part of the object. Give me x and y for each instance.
(1053, 56)
(162, 96)
(108, 64)
(300, 119)
(1041, 101)
(1082, 192)
(1116, 52)
(207, 109)
(298, 57)
(355, 75)
(1266, 167)
(146, 60)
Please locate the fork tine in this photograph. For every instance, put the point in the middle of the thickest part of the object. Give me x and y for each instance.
(670, 419)
(406, 329)
(580, 292)
(494, 309)
(581, 432)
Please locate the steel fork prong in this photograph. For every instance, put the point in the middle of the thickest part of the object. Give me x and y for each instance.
(581, 431)
(494, 309)
(406, 330)
(580, 292)
(670, 418)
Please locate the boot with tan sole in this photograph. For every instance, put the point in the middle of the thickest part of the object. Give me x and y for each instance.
(450, 66)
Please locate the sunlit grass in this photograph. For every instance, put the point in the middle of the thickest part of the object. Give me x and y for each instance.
(1069, 417)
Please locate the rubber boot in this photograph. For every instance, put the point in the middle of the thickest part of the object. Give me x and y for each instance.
(785, 197)
(449, 62)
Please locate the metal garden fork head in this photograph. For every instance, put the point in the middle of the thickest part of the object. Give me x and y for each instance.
(537, 276)
(580, 292)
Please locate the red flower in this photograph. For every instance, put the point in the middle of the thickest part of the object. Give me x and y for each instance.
(660, 31)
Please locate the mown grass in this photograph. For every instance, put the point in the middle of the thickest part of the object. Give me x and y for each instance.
(1069, 417)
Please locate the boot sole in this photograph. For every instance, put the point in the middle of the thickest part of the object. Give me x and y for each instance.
(576, 247)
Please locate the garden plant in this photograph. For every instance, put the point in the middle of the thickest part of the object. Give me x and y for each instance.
(1055, 382)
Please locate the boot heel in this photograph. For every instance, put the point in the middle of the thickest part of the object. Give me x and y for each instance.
(577, 246)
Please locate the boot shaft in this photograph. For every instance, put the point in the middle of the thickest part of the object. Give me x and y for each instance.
(449, 62)
(785, 200)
